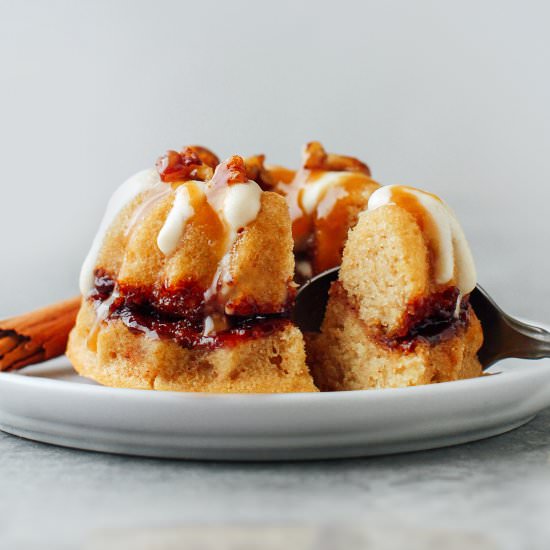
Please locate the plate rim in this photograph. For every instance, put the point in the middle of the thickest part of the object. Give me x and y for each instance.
(33, 380)
(268, 427)
(27, 378)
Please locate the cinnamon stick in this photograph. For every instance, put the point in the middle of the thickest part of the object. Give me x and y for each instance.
(37, 336)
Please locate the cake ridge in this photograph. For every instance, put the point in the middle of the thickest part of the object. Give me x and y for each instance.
(189, 284)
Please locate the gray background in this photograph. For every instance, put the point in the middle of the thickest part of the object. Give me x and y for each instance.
(452, 97)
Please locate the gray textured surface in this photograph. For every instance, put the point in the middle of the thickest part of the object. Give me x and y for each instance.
(452, 97)
(488, 495)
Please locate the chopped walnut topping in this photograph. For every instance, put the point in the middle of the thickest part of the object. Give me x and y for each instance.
(257, 171)
(230, 171)
(207, 156)
(316, 158)
(191, 163)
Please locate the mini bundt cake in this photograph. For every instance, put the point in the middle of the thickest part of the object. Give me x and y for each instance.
(324, 197)
(399, 313)
(189, 284)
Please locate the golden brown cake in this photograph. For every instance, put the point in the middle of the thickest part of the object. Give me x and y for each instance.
(399, 313)
(324, 197)
(188, 284)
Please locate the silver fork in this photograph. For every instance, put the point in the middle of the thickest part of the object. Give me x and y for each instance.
(503, 335)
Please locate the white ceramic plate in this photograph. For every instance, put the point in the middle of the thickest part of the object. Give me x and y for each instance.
(51, 403)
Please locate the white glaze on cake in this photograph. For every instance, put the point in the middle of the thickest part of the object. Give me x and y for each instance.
(313, 191)
(236, 205)
(453, 259)
(126, 193)
(181, 212)
(240, 204)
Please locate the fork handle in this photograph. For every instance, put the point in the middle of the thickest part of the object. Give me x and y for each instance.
(526, 341)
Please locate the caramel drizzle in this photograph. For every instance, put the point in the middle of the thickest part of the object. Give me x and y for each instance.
(450, 256)
(207, 204)
(325, 227)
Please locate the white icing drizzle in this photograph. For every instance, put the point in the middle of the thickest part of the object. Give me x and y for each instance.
(239, 206)
(102, 311)
(152, 197)
(452, 253)
(209, 326)
(236, 205)
(128, 191)
(182, 211)
(314, 191)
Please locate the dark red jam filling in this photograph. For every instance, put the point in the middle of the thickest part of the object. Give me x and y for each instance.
(432, 319)
(179, 314)
(190, 336)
